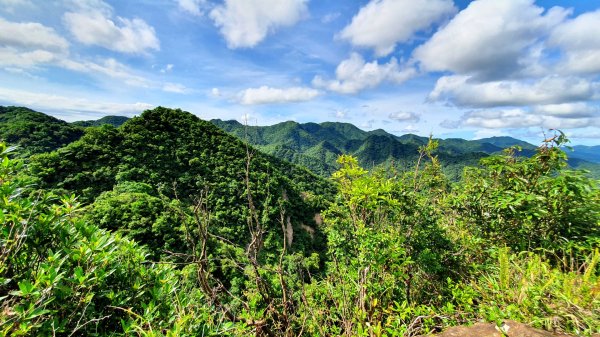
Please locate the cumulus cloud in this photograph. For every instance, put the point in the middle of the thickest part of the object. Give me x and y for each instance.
(92, 23)
(461, 91)
(381, 24)
(516, 118)
(568, 110)
(193, 7)
(245, 23)
(496, 119)
(354, 75)
(489, 39)
(12, 5)
(579, 40)
(31, 35)
(30, 44)
(403, 116)
(57, 102)
(268, 95)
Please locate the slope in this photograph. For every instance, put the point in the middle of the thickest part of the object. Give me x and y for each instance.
(115, 121)
(173, 155)
(35, 132)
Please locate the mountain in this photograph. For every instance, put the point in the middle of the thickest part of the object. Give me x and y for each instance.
(588, 153)
(115, 121)
(317, 146)
(173, 155)
(35, 132)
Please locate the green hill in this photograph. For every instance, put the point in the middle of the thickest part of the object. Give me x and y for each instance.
(588, 153)
(115, 121)
(316, 146)
(172, 154)
(35, 132)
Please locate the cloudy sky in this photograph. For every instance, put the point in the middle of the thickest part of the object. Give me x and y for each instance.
(463, 68)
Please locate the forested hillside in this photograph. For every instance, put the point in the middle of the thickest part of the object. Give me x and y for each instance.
(317, 146)
(173, 155)
(168, 226)
(115, 121)
(35, 132)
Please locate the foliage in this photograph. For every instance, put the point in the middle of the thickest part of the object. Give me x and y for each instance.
(115, 121)
(186, 231)
(528, 203)
(35, 132)
(179, 156)
(62, 276)
(317, 146)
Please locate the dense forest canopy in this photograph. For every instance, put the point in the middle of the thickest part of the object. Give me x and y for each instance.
(34, 131)
(168, 226)
(317, 146)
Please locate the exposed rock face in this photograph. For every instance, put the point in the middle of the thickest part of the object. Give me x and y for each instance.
(508, 329)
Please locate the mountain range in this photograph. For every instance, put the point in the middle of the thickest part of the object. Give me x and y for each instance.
(312, 145)
(317, 145)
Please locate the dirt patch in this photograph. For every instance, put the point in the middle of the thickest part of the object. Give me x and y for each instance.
(508, 329)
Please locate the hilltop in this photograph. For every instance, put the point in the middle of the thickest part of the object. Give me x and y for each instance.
(316, 146)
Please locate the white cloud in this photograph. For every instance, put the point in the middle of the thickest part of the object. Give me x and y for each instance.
(267, 95)
(383, 23)
(167, 68)
(402, 116)
(489, 39)
(92, 24)
(30, 44)
(175, 88)
(11, 6)
(410, 128)
(341, 114)
(25, 59)
(496, 119)
(57, 103)
(354, 75)
(110, 68)
(328, 18)
(461, 91)
(31, 35)
(215, 92)
(367, 124)
(568, 110)
(245, 23)
(580, 41)
(487, 133)
(516, 118)
(193, 7)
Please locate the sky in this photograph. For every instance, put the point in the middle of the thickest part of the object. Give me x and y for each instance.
(468, 69)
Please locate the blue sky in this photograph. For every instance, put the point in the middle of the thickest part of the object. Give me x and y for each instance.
(467, 69)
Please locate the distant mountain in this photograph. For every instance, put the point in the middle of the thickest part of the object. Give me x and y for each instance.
(115, 121)
(317, 146)
(35, 132)
(588, 153)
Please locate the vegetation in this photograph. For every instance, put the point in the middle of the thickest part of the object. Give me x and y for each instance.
(35, 132)
(115, 121)
(317, 146)
(171, 227)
